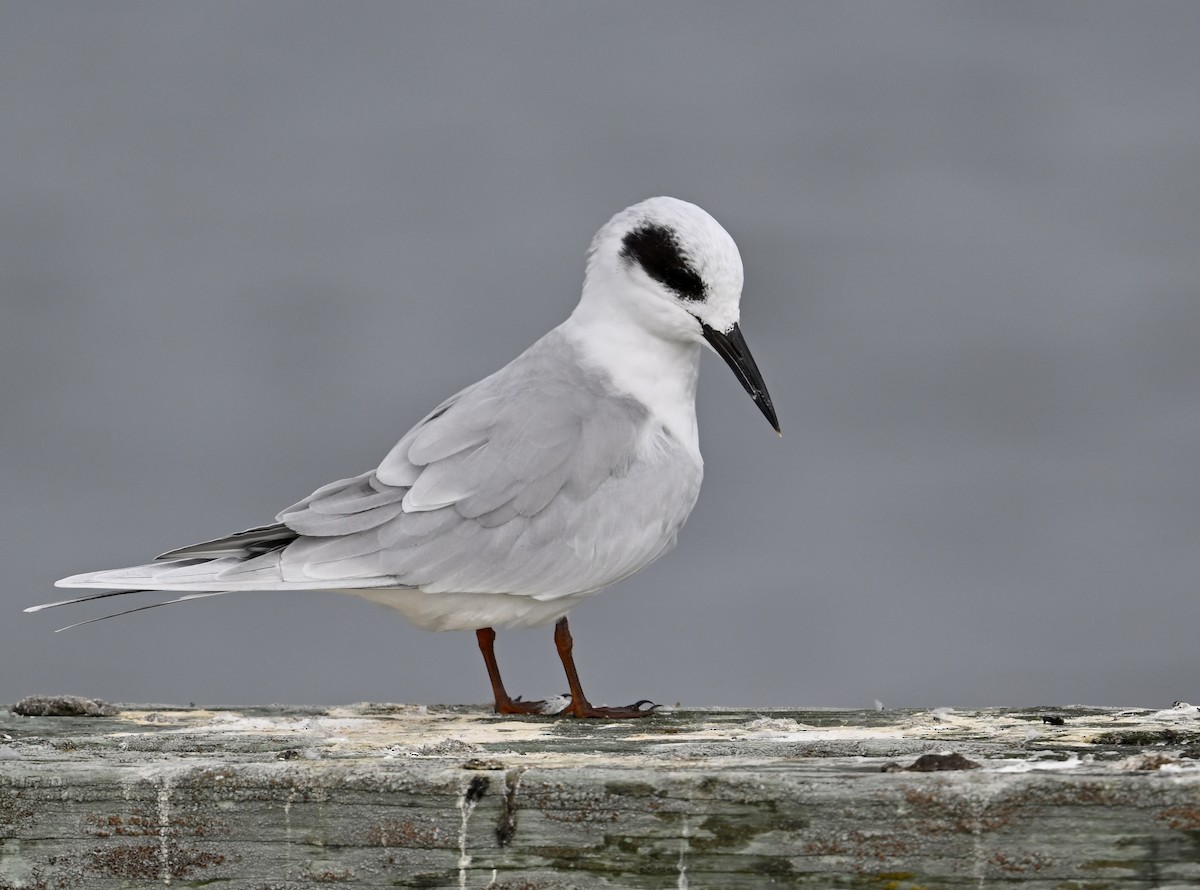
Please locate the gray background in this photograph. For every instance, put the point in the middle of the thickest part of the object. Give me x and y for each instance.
(244, 246)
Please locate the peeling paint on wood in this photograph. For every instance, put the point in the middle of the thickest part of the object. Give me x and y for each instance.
(456, 798)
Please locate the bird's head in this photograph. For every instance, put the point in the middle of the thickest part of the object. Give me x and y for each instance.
(673, 268)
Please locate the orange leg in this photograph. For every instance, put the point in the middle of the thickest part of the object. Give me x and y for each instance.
(504, 705)
(579, 706)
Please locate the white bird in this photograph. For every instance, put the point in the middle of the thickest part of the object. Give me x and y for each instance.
(569, 469)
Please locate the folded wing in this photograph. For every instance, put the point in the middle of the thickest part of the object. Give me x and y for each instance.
(524, 483)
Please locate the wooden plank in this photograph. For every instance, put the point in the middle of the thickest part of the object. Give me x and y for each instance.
(442, 797)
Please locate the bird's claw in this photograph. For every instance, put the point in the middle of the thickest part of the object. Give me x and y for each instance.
(519, 706)
(583, 709)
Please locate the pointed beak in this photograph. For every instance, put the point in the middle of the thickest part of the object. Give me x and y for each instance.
(732, 347)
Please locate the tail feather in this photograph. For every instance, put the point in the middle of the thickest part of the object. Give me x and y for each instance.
(82, 599)
(224, 573)
(190, 596)
(245, 561)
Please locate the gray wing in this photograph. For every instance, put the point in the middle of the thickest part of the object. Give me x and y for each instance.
(539, 480)
(529, 482)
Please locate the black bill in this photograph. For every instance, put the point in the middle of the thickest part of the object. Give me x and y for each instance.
(732, 347)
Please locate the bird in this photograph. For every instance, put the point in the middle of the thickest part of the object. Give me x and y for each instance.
(569, 469)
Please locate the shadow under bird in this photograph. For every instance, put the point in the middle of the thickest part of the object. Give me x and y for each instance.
(569, 469)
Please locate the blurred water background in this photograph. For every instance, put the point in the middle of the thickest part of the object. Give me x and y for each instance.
(244, 246)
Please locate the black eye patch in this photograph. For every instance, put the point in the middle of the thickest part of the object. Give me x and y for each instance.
(656, 250)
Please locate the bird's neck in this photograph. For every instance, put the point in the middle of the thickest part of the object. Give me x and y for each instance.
(660, 373)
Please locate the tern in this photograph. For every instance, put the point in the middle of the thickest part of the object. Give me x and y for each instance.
(566, 471)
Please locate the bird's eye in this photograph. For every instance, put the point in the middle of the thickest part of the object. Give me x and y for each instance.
(656, 249)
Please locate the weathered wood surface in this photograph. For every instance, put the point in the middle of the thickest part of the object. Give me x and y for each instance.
(443, 797)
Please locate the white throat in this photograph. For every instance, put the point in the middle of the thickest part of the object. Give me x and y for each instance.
(660, 373)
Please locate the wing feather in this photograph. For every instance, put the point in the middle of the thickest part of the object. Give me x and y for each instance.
(257, 539)
(536, 481)
(311, 522)
(355, 498)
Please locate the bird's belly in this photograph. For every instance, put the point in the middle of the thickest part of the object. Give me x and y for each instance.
(469, 611)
